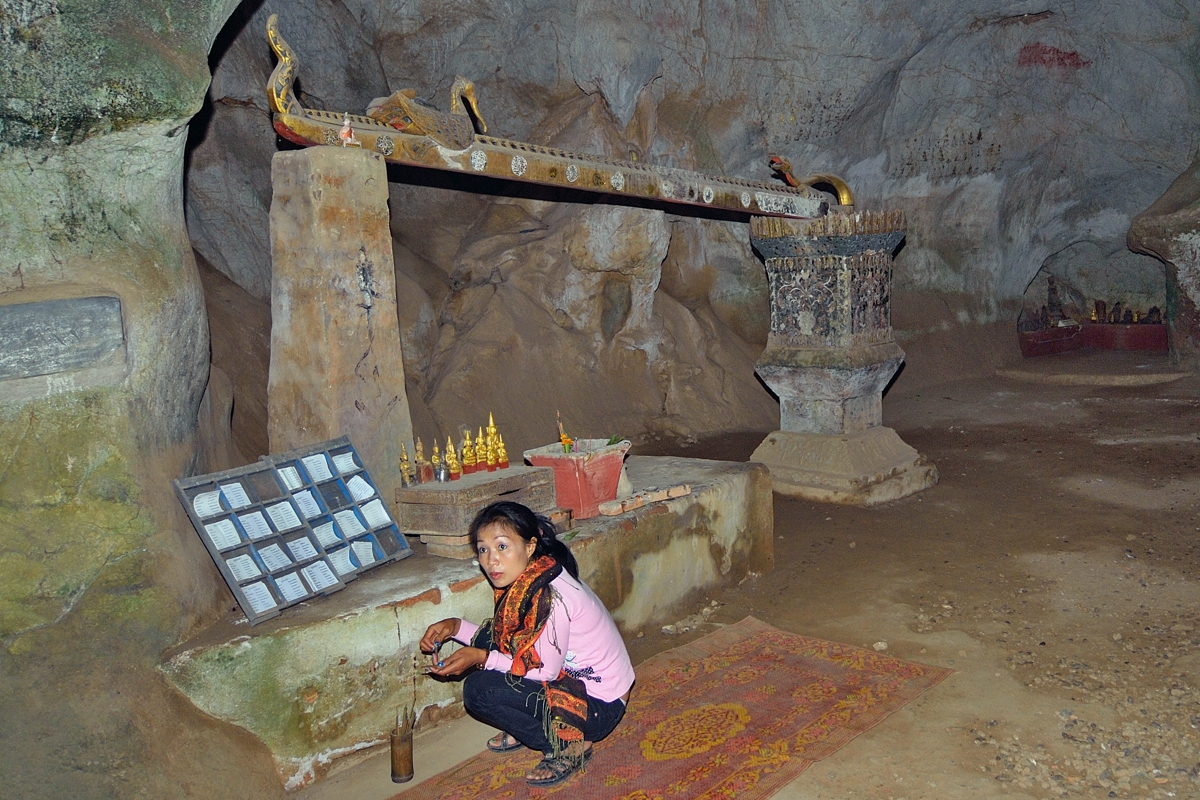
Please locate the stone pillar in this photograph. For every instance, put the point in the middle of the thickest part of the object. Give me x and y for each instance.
(336, 362)
(829, 356)
(1169, 230)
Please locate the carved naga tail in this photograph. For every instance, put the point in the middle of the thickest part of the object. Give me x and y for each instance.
(279, 88)
(784, 168)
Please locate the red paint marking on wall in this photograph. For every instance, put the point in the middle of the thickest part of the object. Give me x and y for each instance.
(1043, 55)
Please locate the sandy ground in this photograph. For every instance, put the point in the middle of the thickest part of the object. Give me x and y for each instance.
(1054, 568)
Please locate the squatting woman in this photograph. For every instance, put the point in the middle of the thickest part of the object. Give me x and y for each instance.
(555, 674)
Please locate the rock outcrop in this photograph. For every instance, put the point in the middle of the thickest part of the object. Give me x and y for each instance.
(1170, 230)
(1016, 138)
(983, 124)
(103, 326)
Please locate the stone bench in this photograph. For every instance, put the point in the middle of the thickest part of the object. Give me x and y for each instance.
(326, 678)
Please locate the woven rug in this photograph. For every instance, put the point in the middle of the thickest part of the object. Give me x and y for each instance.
(737, 713)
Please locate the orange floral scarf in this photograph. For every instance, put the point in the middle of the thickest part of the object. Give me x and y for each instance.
(520, 615)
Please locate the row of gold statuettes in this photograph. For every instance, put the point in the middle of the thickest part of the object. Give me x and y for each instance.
(486, 454)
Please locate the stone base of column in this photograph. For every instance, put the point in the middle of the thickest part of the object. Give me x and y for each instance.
(862, 469)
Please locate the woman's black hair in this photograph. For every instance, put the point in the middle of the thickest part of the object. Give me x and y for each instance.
(529, 526)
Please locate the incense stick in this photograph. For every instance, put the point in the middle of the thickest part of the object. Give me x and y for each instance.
(406, 717)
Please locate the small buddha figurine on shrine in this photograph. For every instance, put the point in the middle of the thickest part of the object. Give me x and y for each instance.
(480, 452)
(452, 465)
(491, 454)
(407, 476)
(424, 468)
(501, 452)
(468, 454)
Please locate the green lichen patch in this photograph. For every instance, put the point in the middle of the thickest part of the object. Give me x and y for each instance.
(73, 68)
(68, 505)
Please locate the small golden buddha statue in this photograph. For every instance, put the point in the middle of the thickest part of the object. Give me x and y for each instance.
(424, 468)
(501, 452)
(491, 438)
(407, 475)
(480, 452)
(437, 457)
(452, 460)
(491, 455)
(468, 454)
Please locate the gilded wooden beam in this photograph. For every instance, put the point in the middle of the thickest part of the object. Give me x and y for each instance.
(520, 161)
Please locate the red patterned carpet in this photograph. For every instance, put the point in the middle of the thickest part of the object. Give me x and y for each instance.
(737, 713)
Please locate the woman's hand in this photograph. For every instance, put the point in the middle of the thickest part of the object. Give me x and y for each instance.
(460, 661)
(438, 634)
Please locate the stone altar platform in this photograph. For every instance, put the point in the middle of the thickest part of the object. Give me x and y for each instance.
(326, 678)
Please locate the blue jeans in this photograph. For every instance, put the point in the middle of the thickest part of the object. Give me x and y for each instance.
(516, 705)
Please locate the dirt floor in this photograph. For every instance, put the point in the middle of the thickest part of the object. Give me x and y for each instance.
(1054, 568)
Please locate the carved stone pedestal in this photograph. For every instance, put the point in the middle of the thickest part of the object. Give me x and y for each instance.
(829, 356)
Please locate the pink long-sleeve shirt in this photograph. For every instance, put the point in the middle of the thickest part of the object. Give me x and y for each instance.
(579, 637)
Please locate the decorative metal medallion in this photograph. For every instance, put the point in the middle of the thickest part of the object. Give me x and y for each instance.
(331, 137)
(708, 194)
(478, 160)
(519, 165)
(385, 145)
(745, 199)
(617, 181)
(572, 173)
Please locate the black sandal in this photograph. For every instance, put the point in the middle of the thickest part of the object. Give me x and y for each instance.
(560, 768)
(507, 743)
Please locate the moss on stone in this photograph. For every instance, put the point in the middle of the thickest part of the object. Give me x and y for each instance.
(68, 505)
(73, 68)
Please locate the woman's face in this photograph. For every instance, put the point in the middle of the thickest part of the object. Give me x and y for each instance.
(503, 554)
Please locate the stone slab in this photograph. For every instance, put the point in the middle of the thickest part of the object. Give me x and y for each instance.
(325, 678)
(51, 344)
(864, 469)
(58, 335)
(336, 362)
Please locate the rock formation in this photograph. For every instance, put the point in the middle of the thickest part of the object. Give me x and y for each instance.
(99, 288)
(1170, 230)
(1015, 138)
(959, 115)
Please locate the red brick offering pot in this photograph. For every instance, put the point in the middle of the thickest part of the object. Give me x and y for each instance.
(585, 478)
